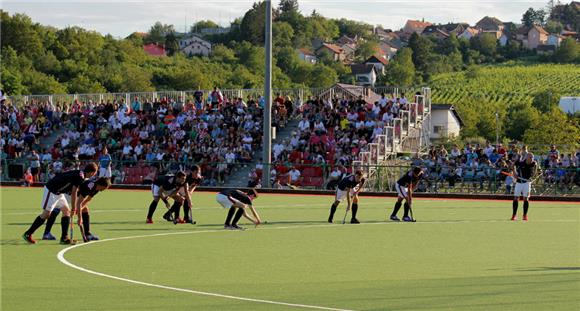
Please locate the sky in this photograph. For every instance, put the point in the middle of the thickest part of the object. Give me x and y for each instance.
(123, 17)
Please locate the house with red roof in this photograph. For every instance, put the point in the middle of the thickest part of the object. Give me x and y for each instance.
(154, 49)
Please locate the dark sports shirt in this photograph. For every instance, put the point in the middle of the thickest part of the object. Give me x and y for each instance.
(168, 182)
(238, 195)
(349, 182)
(525, 170)
(409, 179)
(88, 188)
(64, 182)
(192, 180)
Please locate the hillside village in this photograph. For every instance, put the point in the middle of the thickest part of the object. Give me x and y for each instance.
(533, 37)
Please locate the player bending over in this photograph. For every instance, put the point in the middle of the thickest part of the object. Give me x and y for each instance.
(523, 172)
(404, 187)
(348, 187)
(56, 194)
(193, 180)
(88, 189)
(164, 187)
(236, 201)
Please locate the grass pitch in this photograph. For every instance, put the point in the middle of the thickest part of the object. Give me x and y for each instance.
(459, 255)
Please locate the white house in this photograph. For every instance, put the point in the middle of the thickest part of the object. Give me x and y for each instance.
(570, 104)
(379, 62)
(468, 33)
(364, 74)
(195, 45)
(307, 56)
(445, 121)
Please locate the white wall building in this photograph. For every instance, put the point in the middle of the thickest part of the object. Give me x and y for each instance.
(445, 121)
(195, 45)
(570, 104)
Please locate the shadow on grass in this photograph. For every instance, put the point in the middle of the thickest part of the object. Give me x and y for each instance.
(549, 269)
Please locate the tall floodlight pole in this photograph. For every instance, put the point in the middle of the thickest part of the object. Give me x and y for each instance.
(267, 158)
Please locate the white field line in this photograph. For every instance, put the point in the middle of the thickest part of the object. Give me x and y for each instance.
(63, 260)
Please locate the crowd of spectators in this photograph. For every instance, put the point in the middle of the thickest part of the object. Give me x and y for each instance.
(331, 132)
(214, 131)
(480, 166)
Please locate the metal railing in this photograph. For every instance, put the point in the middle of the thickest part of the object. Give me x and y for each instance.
(438, 179)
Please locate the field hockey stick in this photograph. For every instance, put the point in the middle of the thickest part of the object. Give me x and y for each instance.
(346, 213)
(411, 211)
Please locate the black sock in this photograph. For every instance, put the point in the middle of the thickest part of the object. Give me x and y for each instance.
(51, 220)
(396, 208)
(515, 207)
(86, 223)
(354, 210)
(35, 225)
(239, 214)
(526, 206)
(332, 210)
(152, 208)
(187, 211)
(64, 222)
(175, 209)
(407, 207)
(231, 213)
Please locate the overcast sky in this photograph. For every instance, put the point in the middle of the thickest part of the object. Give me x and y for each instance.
(121, 18)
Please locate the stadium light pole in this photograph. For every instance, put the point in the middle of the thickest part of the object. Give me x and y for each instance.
(267, 158)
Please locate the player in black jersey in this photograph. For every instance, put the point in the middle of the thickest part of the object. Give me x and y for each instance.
(88, 189)
(404, 187)
(523, 172)
(193, 180)
(164, 187)
(55, 195)
(236, 201)
(348, 187)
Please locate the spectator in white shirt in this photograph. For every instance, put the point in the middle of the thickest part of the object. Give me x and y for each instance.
(304, 125)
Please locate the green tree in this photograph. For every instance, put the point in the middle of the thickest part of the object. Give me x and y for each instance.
(322, 76)
(533, 17)
(171, 43)
(282, 35)
(567, 52)
(367, 49)
(253, 23)
(554, 27)
(422, 48)
(401, 70)
(544, 132)
(486, 44)
(520, 117)
(222, 54)
(546, 100)
(204, 24)
(157, 33)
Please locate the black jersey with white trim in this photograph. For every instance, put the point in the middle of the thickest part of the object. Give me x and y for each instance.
(63, 183)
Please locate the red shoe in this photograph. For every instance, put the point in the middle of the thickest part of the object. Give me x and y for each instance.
(179, 221)
(514, 217)
(525, 218)
(149, 221)
(28, 238)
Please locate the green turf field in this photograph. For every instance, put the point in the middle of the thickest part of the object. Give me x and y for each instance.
(460, 255)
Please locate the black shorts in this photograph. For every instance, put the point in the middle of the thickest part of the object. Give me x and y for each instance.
(34, 170)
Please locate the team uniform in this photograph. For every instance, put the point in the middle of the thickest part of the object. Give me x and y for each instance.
(523, 181)
(163, 186)
(192, 180)
(88, 189)
(230, 198)
(404, 187)
(348, 185)
(406, 181)
(58, 190)
(105, 161)
(523, 186)
(56, 196)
